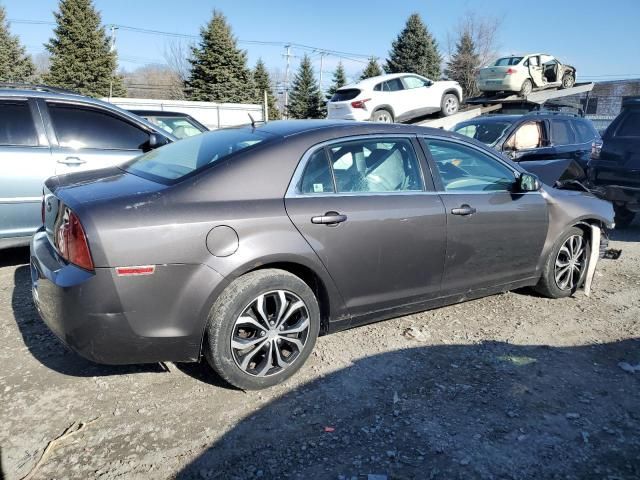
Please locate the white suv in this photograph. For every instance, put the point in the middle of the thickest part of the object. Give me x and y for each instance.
(394, 98)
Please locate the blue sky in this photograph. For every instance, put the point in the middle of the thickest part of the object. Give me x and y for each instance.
(603, 43)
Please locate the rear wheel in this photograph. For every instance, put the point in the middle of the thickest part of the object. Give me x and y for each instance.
(262, 329)
(623, 216)
(450, 104)
(527, 87)
(568, 80)
(382, 116)
(566, 267)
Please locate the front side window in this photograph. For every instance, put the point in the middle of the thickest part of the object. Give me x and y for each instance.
(414, 82)
(586, 131)
(561, 132)
(16, 124)
(366, 166)
(81, 127)
(179, 159)
(463, 168)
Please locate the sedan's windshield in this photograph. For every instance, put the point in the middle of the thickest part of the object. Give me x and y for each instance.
(507, 61)
(180, 127)
(486, 132)
(192, 154)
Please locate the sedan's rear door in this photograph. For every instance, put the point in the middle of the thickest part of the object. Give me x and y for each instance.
(494, 235)
(363, 206)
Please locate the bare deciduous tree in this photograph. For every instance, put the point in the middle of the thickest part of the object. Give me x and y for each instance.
(484, 32)
(153, 81)
(176, 54)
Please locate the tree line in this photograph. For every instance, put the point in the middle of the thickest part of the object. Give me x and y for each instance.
(82, 58)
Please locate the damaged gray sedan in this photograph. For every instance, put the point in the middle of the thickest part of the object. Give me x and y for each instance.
(243, 245)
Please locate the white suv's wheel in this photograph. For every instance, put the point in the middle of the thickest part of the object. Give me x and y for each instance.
(450, 104)
(382, 116)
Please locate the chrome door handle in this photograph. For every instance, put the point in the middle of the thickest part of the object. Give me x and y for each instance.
(329, 218)
(463, 210)
(72, 161)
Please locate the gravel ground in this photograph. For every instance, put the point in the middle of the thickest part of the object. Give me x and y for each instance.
(509, 386)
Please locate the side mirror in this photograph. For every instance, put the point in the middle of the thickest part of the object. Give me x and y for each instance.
(156, 141)
(528, 183)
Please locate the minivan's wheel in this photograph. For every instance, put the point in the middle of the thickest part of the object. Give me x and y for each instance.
(450, 104)
(382, 116)
(262, 329)
(623, 216)
(566, 267)
(527, 88)
(568, 80)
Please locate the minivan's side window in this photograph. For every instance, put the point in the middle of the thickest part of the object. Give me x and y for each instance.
(463, 168)
(368, 166)
(16, 124)
(84, 127)
(630, 126)
(561, 132)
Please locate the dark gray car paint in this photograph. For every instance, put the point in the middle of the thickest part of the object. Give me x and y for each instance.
(387, 259)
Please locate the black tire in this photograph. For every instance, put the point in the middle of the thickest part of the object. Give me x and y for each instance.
(449, 105)
(527, 88)
(623, 216)
(568, 80)
(382, 115)
(547, 284)
(232, 303)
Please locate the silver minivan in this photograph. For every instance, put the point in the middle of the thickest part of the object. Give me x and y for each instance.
(46, 131)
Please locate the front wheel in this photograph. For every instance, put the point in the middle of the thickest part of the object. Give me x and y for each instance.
(261, 329)
(450, 104)
(566, 267)
(568, 81)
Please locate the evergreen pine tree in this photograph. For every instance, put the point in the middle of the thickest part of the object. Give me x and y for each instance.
(415, 51)
(15, 64)
(81, 56)
(263, 82)
(372, 69)
(464, 64)
(219, 71)
(339, 80)
(305, 100)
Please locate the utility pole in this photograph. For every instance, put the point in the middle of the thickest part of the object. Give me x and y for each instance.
(287, 56)
(112, 48)
(322, 55)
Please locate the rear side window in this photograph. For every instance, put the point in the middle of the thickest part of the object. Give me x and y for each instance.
(586, 131)
(561, 132)
(177, 160)
(82, 127)
(630, 125)
(367, 166)
(16, 124)
(392, 85)
(345, 94)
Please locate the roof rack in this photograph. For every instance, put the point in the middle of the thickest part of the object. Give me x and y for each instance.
(553, 112)
(36, 87)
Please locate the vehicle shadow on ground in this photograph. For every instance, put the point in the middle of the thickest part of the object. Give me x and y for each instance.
(44, 345)
(490, 410)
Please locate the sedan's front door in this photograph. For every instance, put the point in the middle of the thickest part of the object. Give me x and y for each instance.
(494, 235)
(362, 206)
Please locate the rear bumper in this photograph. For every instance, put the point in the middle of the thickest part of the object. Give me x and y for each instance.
(122, 320)
(359, 114)
(498, 85)
(613, 183)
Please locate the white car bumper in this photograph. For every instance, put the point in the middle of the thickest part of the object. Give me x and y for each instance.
(343, 112)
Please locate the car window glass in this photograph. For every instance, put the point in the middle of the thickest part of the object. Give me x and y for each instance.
(317, 174)
(463, 168)
(533, 61)
(547, 59)
(388, 165)
(393, 85)
(82, 127)
(378, 87)
(584, 131)
(16, 124)
(487, 132)
(507, 61)
(179, 127)
(413, 82)
(630, 126)
(561, 132)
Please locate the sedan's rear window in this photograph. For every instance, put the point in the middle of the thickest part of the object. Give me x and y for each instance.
(345, 94)
(507, 61)
(172, 162)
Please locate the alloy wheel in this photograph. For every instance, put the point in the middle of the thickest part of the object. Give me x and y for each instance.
(383, 117)
(450, 106)
(270, 333)
(570, 263)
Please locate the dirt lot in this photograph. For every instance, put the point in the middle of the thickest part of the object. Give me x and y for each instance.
(510, 386)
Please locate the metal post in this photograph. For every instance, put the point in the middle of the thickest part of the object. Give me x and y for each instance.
(287, 55)
(112, 48)
(322, 54)
(266, 107)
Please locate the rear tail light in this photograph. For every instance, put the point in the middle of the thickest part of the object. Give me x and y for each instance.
(71, 241)
(596, 148)
(511, 71)
(360, 103)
